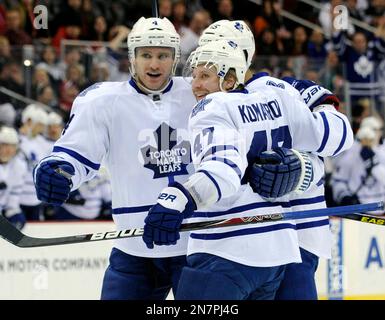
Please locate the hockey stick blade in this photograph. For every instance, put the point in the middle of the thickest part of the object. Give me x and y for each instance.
(11, 234)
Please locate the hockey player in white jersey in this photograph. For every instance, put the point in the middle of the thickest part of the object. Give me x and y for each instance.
(33, 148)
(228, 131)
(359, 177)
(138, 128)
(12, 171)
(275, 180)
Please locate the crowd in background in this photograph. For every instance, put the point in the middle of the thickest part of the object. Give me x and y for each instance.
(46, 65)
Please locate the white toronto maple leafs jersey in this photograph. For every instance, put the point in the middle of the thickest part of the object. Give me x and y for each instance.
(313, 234)
(11, 184)
(352, 177)
(142, 141)
(228, 131)
(33, 149)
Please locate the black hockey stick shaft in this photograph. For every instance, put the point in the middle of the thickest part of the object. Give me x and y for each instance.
(155, 10)
(17, 238)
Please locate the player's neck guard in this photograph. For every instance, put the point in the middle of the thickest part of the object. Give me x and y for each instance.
(154, 94)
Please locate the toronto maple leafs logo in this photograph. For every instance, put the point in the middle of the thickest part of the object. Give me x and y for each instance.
(363, 66)
(238, 26)
(167, 158)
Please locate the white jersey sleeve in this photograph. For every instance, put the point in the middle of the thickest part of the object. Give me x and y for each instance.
(217, 147)
(85, 139)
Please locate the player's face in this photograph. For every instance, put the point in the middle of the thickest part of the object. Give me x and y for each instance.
(7, 152)
(153, 66)
(205, 81)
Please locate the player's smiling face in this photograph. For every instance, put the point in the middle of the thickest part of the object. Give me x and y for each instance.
(7, 152)
(153, 66)
(205, 81)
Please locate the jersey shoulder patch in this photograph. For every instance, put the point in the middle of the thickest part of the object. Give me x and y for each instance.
(200, 106)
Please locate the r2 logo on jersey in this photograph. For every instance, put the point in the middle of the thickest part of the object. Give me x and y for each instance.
(167, 158)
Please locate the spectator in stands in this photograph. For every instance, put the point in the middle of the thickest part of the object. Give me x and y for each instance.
(375, 11)
(46, 95)
(299, 44)
(331, 75)
(224, 10)
(189, 37)
(5, 50)
(12, 78)
(361, 60)
(72, 56)
(68, 93)
(179, 15)
(99, 73)
(165, 9)
(316, 47)
(99, 31)
(267, 43)
(40, 78)
(14, 31)
(49, 63)
(269, 18)
(70, 29)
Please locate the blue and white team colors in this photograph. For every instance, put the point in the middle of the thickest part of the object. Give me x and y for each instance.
(313, 234)
(226, 136)
(33, 149)
(106, 125)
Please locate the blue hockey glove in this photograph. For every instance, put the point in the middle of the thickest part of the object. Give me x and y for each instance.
(312, 93)
(281, 171)
(370, 159)
(161, 226)
(75, 198)
(349, 200)
(18, 220)
(52, 181)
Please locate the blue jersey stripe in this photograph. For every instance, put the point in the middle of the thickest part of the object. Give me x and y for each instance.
(229, 163)
(312, 224)
(326, 134)
(214, 181)
(78, 157)
(344, 133)
(241, 232)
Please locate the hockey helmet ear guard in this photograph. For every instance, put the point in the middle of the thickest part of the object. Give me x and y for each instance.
(153, 32)
(224, 55)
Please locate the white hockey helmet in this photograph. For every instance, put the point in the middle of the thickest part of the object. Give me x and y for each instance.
(224, 55)
(371, 122)
(34, 113)
(54, 119)
(9, 135)
(237, 31)
(153, 32)
(366, 133)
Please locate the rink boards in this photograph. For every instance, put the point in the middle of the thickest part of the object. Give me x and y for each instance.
(356, 271)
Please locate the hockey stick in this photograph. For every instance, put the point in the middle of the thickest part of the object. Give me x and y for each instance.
(11, 234)
(155, 10)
